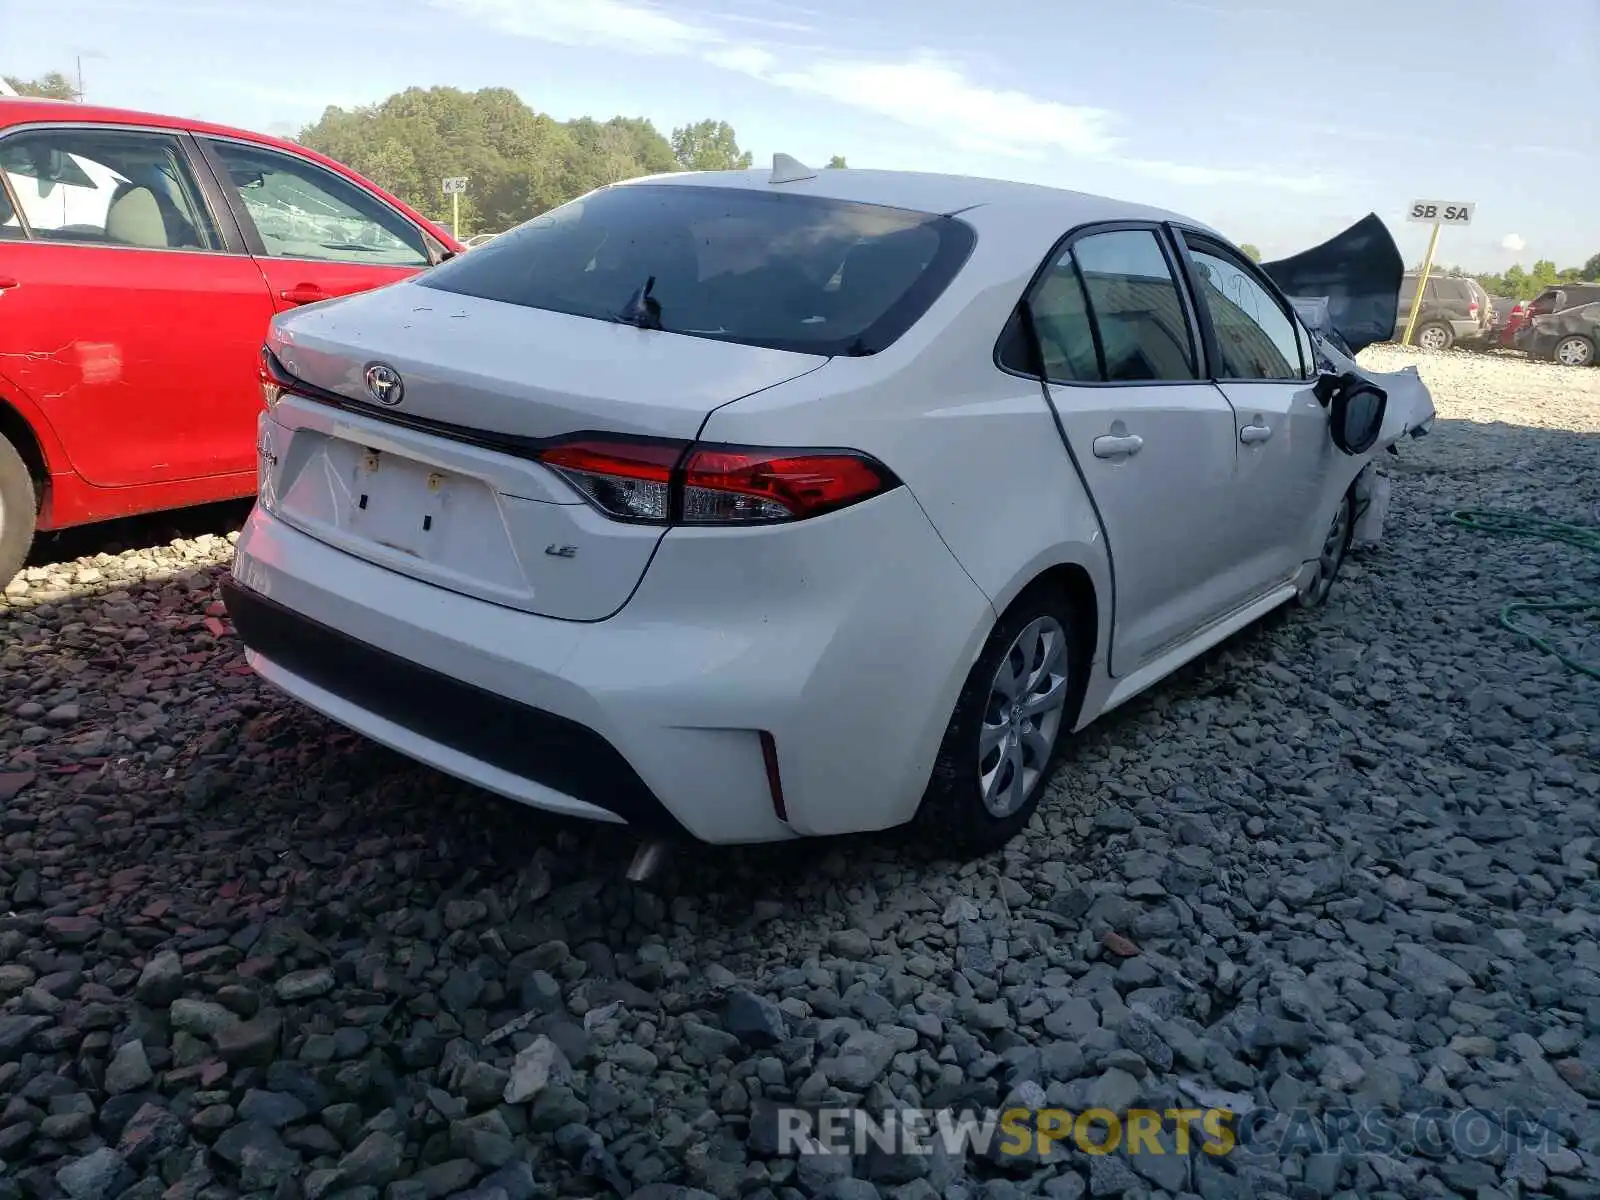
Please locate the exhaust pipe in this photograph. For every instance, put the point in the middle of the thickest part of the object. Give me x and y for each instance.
(647, 862)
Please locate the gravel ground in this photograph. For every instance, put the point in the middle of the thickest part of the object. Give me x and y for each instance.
(1347, 861)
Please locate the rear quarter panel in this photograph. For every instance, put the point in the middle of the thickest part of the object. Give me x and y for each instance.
(977, 447)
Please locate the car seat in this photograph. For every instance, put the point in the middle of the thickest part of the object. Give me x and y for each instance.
(134, 219)
(143, 216)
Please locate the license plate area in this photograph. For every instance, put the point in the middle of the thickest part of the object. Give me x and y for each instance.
(402, 504)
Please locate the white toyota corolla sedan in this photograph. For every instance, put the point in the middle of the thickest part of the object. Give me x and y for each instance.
(753, 505)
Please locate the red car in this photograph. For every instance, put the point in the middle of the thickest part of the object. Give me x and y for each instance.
(1515, 320)
(141, 258)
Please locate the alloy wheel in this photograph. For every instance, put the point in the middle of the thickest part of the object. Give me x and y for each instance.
(1575, 352)
(1023, 716)
(1432, 338)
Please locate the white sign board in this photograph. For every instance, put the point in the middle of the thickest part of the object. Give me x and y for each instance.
(455, 184)
(1442, 212)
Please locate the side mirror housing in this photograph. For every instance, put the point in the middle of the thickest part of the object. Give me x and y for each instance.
(1356, 409)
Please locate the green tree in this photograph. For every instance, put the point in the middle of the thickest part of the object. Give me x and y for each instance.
(837, 162)
(1250, 250)
(709, 146)
(52, 86)
(1591, 269)
(518, 162)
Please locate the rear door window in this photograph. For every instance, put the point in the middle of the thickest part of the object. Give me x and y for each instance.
(107, 186)
(785, 271)
(1137, 310)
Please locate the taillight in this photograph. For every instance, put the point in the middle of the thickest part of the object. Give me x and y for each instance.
(667, 482)
(628, 480)
(272, 377)
(1472, 308)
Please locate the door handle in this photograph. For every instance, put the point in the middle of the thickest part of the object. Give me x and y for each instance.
(303, 293)
(1252, 434)
(9, 281)
(1117, 446)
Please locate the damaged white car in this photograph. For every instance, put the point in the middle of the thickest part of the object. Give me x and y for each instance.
(753, 505)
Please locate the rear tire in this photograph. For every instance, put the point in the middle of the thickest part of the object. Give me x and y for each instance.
(1008, 729)
(1435, 336)
(19, 512)
(1574, 351)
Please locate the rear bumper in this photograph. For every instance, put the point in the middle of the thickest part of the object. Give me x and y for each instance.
(1466, 329)
(344, 676)
(847, 642)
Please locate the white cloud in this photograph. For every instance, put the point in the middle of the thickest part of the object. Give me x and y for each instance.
(926, 92)
(923, 91)
(1514, 242)
(616, 24)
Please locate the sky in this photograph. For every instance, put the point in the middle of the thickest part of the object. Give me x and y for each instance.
(1279, 122)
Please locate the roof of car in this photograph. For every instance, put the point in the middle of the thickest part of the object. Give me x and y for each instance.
(926, 192)
(17, 109)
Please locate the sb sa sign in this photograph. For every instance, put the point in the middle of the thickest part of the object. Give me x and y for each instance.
(1441, 212)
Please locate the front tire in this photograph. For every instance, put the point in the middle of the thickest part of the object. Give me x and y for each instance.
(1007, 731)
(1436, 337)
(1574, 351)
(18, 512)
(1335, 549)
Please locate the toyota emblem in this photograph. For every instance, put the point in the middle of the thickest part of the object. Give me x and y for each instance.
(385, 385)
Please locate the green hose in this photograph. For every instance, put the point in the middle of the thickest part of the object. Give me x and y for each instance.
(1504, 523)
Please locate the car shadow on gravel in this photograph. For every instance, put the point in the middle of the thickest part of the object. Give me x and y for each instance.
(150, 529)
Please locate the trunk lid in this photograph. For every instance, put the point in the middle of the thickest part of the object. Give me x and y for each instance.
(443, 485)
(528, 372)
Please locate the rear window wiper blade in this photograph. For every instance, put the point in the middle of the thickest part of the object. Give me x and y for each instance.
(642, 308)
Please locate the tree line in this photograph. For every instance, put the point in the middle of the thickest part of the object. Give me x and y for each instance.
(1515, 283)
(520, 162)
(53, 86)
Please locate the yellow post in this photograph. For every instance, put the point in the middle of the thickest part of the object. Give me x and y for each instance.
(455, 222)
(1422, 282)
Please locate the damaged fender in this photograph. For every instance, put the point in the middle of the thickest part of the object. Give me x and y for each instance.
(1409, 412)
(1347, 293)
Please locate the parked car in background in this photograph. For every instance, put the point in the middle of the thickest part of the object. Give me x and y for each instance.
(1454, 309)
(141, 258)
(746, 507)
(1509, 320)
(1569, 335)
(1549, 302)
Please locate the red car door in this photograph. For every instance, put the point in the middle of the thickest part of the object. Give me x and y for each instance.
(133, 316)
(315, 232)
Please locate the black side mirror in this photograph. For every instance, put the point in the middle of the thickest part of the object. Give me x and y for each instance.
(1356, 410)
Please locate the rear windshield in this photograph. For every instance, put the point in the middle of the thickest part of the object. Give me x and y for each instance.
(785, 271)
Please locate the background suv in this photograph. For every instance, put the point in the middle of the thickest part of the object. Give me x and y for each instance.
(1453, 309)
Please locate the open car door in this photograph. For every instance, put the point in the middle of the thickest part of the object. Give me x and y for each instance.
(1358, 274)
